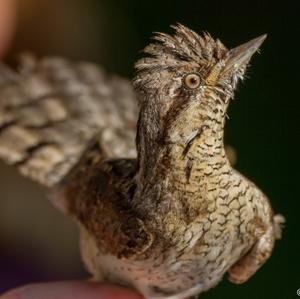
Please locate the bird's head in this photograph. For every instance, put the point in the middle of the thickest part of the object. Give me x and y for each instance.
(186, 79)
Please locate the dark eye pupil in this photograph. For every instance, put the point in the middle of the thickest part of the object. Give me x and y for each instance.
(193, 80)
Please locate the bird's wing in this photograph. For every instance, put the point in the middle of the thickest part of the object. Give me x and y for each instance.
(51, 109)
(108, 215)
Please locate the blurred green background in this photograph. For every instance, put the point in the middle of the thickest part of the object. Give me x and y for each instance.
(263, 125)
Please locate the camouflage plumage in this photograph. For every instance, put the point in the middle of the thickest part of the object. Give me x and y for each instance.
(172, 221)
(52, 109)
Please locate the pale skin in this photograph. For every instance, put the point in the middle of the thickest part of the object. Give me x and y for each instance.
(7, 24)
(58, 290)
(71, 290)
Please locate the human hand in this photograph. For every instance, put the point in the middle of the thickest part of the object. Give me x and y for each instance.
(7, 23)
(71, 290)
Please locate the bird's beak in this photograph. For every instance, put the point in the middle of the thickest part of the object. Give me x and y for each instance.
(239, 56)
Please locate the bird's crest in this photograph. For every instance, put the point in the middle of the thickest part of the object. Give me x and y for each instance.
(185, 45)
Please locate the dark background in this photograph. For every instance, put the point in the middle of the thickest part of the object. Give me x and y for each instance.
(37, 243)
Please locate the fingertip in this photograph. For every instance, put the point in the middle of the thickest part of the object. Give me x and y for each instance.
(71, 290)
(114, 292)
(7, 23)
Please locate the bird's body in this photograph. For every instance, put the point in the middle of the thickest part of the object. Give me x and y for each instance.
(188, 249)
(171, 222)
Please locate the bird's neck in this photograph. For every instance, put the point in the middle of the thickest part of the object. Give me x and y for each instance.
(178, 175)
(196, 150)
(197, 157)
(176, 166)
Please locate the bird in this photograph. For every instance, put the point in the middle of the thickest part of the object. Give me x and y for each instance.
(141, 166)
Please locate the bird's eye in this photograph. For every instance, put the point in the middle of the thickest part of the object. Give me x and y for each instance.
(192, 81)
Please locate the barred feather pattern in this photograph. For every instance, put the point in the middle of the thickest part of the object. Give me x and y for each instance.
(51, 111)
(174, 51)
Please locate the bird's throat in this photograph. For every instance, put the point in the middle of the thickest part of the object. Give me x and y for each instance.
(201, 155)
(182, 173)
(183, 150)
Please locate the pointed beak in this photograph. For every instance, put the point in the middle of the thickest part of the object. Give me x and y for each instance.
(241, 55)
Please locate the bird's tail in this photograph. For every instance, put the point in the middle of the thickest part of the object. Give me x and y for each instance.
(51, 110)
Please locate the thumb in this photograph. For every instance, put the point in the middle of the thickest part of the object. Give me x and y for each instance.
(7, 23)
(71, 290)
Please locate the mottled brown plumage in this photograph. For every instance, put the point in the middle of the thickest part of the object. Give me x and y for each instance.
(173, 220)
